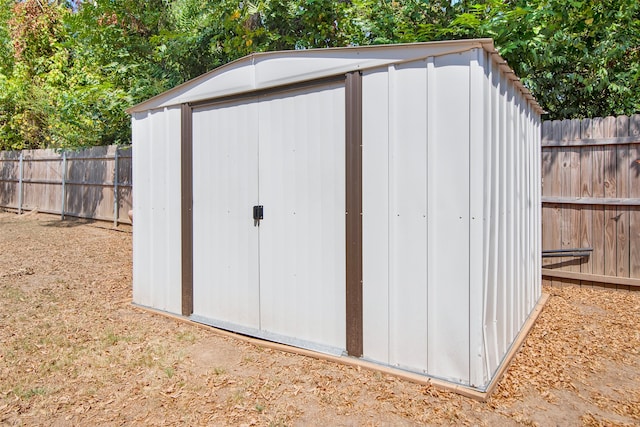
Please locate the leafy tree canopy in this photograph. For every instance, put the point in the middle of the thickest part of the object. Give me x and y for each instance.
(69, 69)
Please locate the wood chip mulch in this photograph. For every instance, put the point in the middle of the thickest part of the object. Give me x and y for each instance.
(74, 351)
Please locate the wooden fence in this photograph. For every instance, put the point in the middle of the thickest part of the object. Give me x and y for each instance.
(591, 199)
(91, 183)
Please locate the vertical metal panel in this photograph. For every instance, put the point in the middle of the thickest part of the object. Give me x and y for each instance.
(408, 339)
(492, 223)
(449, 211)
(510, 214)
(502, 281)
(167, 206)
(375, 220)
(479, 157)
(302, 236)
(156, 234)
(186, 212)
(141, 176)
(225, 240)
(353, 217)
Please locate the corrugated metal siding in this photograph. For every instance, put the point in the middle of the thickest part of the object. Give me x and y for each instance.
(449, 199)
(156, 234)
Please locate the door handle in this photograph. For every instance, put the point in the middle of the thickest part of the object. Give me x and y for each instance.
(258, 214)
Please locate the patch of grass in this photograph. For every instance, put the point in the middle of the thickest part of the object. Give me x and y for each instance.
(145, 360)
(219, 370)
(11, 293)
(28, 394)
(169, 371)
(186, 337)
(111, 338)
(238, 396)
(259, 407)
(9, 355)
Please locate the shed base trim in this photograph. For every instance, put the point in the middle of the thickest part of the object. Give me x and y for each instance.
(268, 336)
(473, 393)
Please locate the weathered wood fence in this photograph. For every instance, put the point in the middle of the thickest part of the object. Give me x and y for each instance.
(591, 199)
(91, 183)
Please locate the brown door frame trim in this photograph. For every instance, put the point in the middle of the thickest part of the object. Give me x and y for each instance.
(353, 217)
(186, 184)
(353, 210)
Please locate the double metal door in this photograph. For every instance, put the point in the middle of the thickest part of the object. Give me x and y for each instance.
(281, 277)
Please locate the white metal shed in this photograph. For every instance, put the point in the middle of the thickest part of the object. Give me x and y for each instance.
(380, 202)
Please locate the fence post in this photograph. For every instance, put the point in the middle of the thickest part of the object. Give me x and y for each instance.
(20, 172)
(64, 179)
(115, 189)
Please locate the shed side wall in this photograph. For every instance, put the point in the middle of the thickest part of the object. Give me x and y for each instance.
(511, 226)
(450, 215)
(416, 216)
(156, 211)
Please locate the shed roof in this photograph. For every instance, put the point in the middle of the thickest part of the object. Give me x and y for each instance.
(264, 70)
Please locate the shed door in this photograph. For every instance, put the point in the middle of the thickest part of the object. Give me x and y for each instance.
(302, 236)
(283, 280)
(225, 187)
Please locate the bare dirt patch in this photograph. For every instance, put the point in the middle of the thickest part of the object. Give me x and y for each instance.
(74, 351)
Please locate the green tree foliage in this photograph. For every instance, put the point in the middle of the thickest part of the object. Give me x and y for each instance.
(73, 69)
(33, 70)
(581, 58)
(69, 69)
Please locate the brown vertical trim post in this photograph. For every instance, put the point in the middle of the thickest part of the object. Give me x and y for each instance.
(353, 223)
(186, 189)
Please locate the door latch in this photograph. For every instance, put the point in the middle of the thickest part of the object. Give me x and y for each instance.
(258, 214)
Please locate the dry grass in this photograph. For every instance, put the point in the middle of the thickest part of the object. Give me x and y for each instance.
(73, 351)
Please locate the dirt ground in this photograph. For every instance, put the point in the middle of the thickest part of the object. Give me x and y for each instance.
(74, 351)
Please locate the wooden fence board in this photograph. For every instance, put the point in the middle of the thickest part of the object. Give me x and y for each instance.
(622, 191)
(610, 191)
(598, 215)
(586, 192)
(634, 191)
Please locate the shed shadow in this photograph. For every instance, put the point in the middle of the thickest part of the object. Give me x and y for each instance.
(68, 222)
